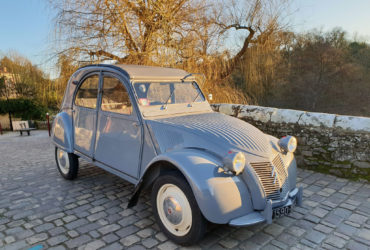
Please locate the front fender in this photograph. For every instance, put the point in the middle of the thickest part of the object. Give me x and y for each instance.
(221, 197)
(62, 132)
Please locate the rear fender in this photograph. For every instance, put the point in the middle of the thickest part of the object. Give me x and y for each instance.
(220, 196)
(62, 132)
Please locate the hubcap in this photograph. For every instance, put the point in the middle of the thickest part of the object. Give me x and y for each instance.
(174, 209)
(63, 161)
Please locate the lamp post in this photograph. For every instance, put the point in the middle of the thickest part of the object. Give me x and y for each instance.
(47, 116)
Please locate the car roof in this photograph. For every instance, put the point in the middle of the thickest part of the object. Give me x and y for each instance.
(141, 72)
(152, 73)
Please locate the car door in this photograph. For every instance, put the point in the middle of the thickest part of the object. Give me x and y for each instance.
(118, 135)
(84, 114)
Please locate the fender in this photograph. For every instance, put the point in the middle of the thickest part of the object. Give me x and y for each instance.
(220, 196)
(62, 132)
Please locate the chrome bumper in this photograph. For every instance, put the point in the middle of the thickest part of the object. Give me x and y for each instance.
(294, 197)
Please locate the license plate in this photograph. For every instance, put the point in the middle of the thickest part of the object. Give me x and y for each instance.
(281, 211)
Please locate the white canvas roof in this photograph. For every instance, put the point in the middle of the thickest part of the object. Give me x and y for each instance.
(139, 72)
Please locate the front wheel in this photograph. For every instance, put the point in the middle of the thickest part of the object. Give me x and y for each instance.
(176, 210)
(67, 163)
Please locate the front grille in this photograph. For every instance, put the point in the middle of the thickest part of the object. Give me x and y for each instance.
(283, 175)
(273, 177)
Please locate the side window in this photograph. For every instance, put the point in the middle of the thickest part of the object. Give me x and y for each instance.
(87, 94)
(115, 97)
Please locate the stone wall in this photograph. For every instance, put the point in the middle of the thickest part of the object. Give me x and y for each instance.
(328, 143)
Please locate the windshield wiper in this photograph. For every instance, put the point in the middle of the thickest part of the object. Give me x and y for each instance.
(164, 106)
(196, 97)
(199, 91)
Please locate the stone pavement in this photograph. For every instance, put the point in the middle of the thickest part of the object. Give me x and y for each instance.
(39, 208)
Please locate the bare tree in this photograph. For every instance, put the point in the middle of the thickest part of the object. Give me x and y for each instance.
(23, 74)
(189, 34)
(125, 31)
(26, 80)
(256, 20)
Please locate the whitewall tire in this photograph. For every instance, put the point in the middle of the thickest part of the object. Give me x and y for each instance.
(176, 210)
(67, 163)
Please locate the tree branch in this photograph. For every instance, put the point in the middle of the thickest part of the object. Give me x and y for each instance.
(107, 54)
(229, 68)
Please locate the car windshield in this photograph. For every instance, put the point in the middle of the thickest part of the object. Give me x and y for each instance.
(157, 93)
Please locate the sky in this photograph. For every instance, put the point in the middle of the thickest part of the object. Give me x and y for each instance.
(27, 28)
(351, 15)
(27, 25)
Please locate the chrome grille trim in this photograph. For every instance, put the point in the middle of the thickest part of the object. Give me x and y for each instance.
(283, 175)
(273, 177)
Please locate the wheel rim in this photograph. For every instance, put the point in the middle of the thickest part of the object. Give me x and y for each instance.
(174, 210)
(63, 161)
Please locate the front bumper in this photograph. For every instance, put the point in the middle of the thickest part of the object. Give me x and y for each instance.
(294, 197)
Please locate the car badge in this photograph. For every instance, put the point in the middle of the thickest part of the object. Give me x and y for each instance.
(274, 174)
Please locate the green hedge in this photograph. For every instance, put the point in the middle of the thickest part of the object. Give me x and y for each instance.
(25, 109)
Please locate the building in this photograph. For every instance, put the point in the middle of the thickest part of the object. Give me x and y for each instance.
(9, 90)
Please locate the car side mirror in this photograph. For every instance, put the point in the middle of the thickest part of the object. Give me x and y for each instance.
(210, 97)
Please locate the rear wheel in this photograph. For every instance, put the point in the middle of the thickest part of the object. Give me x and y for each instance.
(67, 163)
(176, 210)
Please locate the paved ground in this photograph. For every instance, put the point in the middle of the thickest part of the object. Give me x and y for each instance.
(39, 208)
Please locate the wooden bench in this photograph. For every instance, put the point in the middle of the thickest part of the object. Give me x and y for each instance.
(22, 126)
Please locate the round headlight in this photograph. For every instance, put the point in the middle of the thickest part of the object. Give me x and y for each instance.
(235, 162)
(288, 143)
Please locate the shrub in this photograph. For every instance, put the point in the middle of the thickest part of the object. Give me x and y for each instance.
(25, 109)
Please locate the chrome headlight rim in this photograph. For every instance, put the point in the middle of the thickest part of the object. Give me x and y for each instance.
(235, 162)
(288, 144)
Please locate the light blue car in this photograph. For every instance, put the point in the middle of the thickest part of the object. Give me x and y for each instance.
(154, 128)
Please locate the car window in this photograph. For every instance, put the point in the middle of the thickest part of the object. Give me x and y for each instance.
(88, 92)
(115, 97)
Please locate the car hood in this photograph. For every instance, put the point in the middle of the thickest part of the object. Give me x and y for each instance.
(213, 132)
